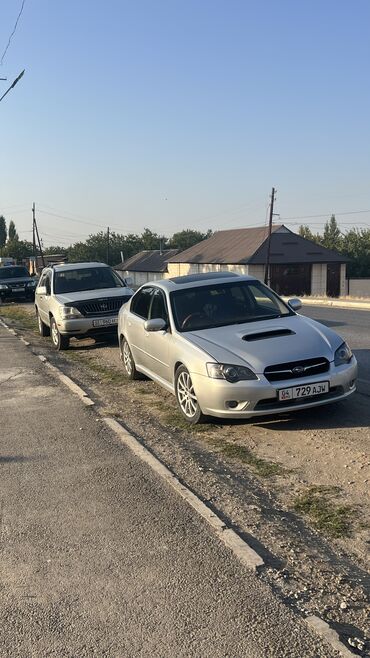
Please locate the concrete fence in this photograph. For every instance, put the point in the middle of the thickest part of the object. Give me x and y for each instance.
(359, 287)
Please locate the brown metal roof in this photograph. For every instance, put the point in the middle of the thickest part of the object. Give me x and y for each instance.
(249, 245)
(232, 246)
(152, 260)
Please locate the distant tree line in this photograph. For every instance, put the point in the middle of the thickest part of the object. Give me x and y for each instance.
(98, 247)
(354, 243)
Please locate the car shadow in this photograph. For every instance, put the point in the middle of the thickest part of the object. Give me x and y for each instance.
(352, 412)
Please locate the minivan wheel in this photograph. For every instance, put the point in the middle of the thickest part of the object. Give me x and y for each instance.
(128, 360)
(186, 399)
(43, 328)
(59, 341)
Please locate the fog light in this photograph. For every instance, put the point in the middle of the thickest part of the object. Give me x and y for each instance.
(232, 404)
(352, 383)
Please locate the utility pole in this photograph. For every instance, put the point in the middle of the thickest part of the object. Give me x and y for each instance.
(12, 85)
(108, 245)
(34, 237)
(267, 267)
(35, 233)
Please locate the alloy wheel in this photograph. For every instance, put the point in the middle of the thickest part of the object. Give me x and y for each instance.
(54, 333)
(127, 360)
(186, 395)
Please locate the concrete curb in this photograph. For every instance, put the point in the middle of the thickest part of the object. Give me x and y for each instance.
(226, 535)
(323, 629)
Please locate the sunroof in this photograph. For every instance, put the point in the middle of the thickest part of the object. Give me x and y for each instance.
(193, 278)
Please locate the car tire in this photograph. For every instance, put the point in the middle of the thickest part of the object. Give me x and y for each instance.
(186, 399)
(44, 330)
(128, 360)
(59, 341)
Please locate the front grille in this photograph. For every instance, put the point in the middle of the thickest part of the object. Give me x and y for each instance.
(296, 369)
(100, 307)
(272, 404)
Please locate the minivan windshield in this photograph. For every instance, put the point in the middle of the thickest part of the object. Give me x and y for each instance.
(14, 272)
(86, 278)
(217, 305)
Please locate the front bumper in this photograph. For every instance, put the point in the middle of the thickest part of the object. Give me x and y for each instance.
(93, 326)
(260, 397)
(14, 295)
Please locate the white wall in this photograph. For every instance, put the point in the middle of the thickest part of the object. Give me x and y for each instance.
(181, 269)
(139, 278)
(257, 270)
(319, 273)
(359, 287)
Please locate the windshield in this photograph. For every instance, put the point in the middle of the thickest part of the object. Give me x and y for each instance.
(13, 272)
(86, 278)
(224, 304)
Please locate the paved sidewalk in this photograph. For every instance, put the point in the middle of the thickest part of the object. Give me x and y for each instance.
(100, 558)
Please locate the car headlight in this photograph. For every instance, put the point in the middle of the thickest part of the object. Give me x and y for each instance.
(69, 312)
(229, 372)
(31, 284)
(342, 355)
(3, 286)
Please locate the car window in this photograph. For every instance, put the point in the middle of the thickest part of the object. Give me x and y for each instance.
(47, 283)
(158, 307)
(13, 272)
(86, 278)
(141, 302)
(218, 305)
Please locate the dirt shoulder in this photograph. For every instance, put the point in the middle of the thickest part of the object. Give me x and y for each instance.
(295, 485)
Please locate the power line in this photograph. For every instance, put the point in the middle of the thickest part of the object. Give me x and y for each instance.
(351, 212)
(79, 221)
(12, 34)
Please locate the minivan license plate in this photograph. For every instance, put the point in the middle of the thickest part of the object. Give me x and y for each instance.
(304, 391)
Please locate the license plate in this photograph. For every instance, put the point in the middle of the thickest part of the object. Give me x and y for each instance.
(105, 322)
(304, 391)
(18, 289)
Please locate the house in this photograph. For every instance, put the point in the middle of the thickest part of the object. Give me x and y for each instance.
(146, 266)
(297, 266)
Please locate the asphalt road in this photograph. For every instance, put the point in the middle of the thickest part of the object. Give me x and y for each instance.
(354, 327)
(100, 558)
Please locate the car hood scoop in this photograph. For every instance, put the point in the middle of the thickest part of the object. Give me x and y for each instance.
(262, 335)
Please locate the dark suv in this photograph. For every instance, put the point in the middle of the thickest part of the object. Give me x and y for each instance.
(16, 283)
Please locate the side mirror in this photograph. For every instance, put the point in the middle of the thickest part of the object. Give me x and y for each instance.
(157, 324)
(129, 281)
(295, 304)
(41, 290)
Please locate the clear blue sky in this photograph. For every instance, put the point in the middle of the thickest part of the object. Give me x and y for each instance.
(173, 114)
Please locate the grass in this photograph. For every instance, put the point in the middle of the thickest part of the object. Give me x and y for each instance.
(260, 466)
(319, 505)
(108, 374)
(22, 318)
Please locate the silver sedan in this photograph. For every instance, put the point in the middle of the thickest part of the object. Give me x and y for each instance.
(226, 345)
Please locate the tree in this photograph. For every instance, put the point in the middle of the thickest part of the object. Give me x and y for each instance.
(2, 231)
(12, 233)
(55, 249)
(356, 245)
(332, 238)
(18, 249)
(150, 240)
(187, 238)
